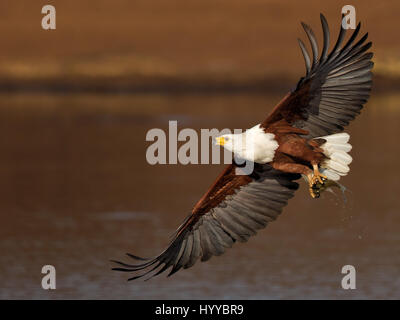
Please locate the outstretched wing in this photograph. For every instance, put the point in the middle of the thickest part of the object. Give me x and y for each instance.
(233, 209)
(334, 89)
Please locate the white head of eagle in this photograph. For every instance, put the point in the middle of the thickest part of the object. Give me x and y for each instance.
(253, 145)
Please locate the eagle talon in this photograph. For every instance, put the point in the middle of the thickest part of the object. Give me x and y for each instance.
(316, 181)
(318, 178)
(314, 193)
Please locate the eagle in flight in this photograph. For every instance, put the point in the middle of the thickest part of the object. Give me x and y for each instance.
(302, 136)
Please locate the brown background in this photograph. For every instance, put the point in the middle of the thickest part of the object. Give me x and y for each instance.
(138, 44)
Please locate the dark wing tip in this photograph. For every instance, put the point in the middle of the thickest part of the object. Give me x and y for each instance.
(120, 269)
(137, 257)
(313, 42)
(134, 278)
(326, 34)
(306, 56)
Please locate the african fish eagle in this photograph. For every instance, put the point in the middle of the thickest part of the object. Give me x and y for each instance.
(302, 136)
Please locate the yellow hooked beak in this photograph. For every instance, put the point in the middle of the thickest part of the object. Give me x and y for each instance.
(220, 141)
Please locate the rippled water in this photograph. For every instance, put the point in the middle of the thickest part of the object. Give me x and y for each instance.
(76, 191)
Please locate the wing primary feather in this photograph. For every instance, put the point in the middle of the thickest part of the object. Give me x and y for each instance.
(224, 238)
(136, 257)
(325, 29)
(184, 259)
(122, 269)
(166, 259)
(355, 54)
(134, 267)
(146, 273)
(206, 245)
(306, 56)
(352, 54)
(339, 41)
(313, 42)
(196, 250)
(351, 40)
(165, 267)
(177, 265)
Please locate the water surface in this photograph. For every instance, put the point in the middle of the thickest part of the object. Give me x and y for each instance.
(76, 191)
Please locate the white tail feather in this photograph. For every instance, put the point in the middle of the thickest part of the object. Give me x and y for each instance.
(336, 149)
(340, 138)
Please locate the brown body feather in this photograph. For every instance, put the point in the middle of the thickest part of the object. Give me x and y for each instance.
(295, 154)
